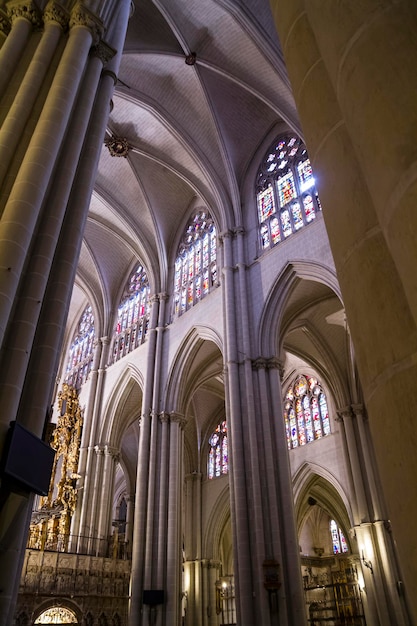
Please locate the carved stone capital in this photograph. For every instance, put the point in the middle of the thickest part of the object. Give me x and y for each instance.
(163, 417)
(178, 418)
(55, 12)
(358, 410)
(344, 413)
(5, 25)
(27, 10)
(105, 53)
(259, 363)
(226, 234)
(270, 363)
(81, 16)
(113, 452)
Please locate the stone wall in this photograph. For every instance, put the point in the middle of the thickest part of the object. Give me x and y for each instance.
(96, 588)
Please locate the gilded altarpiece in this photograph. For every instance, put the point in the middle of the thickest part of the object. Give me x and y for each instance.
(51, 522)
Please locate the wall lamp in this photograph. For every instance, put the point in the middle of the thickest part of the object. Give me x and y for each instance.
(367, 563)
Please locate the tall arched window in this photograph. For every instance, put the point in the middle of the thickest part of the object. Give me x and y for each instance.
(81, 351)
(285, 191)
(195, 265)
(218, 459)
(339, 542)
(306, 413)
(132, 315)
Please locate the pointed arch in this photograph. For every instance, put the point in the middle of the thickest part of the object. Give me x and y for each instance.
(187, 368)
(58, 602)
(130, 381)
(275, 305)
(217, 521)
(313, 481)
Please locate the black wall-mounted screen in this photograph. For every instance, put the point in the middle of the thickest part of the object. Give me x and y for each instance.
(153, 596)
(27, 460)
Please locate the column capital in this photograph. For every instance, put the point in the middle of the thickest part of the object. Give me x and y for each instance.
(81, 16)
(178, 418)
(269, 363)
(163, 417)
(113, 452)
(103, 51)
(259, 363)
(344, 413)
(210, 564)
(194, 476)
(239, 230)
(358, 410)
(55, 12)
(5, 25)
(27, 10)
(226, 234)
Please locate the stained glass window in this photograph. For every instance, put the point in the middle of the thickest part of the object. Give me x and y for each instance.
(285, 190)
(339, 543)
(195, 266)
(218, 460)
(57, 615)
(132, 315)
(81, 350)
(306, 413)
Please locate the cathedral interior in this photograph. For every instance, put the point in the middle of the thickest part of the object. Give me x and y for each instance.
(208, 312)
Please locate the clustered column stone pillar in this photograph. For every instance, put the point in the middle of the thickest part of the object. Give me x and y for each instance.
(262, 510)
(173, 534)
(44, 201)
(354, 82)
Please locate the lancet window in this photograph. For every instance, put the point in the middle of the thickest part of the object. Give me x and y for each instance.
(132, 314)
(339, 542)
(81, 351)
(306, 412)
(196, 262)
(286, 194)
(218, 459)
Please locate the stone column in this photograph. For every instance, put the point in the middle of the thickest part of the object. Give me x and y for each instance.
(163, 499)
(386, 550)
(211, 571)
(193, 576)
(23, 16)
(105, 502)
(130, 514)
(94, 542)
(28, 196)
(23, 206)
(173, 535)
(142, 485)
(91, 423)
(362, 512)
(283, 541)
(56, 20)
(239, 497)
(357, 119)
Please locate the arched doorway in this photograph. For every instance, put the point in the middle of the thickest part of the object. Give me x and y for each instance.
(331, 570)
(57, 615)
